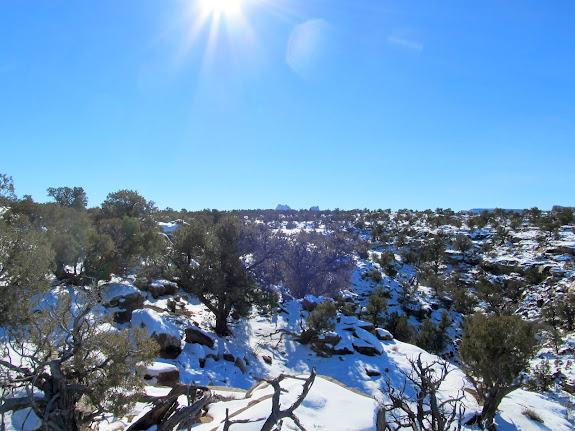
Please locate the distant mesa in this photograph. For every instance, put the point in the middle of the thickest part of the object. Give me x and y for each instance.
(281, 207)
(490, 210)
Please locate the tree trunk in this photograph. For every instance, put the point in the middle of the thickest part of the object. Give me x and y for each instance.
(222, 324)
(491, 403)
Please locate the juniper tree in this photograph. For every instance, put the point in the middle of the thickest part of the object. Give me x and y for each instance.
(494, 350)
(72, 365)
(205, 261)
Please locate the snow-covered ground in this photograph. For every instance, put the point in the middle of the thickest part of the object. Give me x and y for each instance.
(348, 391)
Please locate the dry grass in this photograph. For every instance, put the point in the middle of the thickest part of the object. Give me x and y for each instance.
(532, 414)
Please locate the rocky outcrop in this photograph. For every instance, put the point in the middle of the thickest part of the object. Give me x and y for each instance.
(160, 374)
(383, 334)
(196, 335)
(501, 267)
(165, 333)
(159, 288)
(123, 299)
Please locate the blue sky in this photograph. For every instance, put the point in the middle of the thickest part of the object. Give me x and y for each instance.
(336, 103)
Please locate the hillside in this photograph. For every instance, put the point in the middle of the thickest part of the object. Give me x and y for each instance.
(434, 268)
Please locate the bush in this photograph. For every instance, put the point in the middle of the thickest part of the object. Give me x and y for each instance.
(377, 303)
(321, 319)
(542, 378)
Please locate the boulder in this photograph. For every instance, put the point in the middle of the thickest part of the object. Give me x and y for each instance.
(383, 334)
(196, 335)
(364, 348)
(372, 373)
(159, 288)
(369, 338)
(170, 345)
(560, 250)
(125, 298)
(161, 374)
(239, 362)
(568, 387)
(267, 359)
(165, 333)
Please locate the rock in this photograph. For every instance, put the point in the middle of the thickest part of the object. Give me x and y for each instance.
(369, 338)
(501, 267)
(170, 345)
(172, 304)
(372, 373)
(365, 349)
(125, 297)
(308, 305)
(161, 374)
(229, 357)
(324, 345)
(560, 250)
(196, 335)
(165, 333)
(239, 362)
(367, 326)
(383, 334)
(159, 288)
(267, 359)
(568, 387)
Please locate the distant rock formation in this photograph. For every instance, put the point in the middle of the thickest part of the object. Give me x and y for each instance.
(315, 208)
(281, 207)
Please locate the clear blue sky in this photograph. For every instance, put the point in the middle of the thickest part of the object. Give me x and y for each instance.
(336, 103)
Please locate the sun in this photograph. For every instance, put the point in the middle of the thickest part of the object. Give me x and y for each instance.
(222, 7)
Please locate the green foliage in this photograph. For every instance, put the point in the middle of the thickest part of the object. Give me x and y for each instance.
(463, 300)
(75, 198)
(566, 310)
(322, 319)
(205, 262)
(497, 348)
(534, 276)
(542, 379)
(376, 304)
(462, 243)
(127, 203)
(69, 231)
(433, 251)
(492, 294)
(400, 327)
(126, 218)
(82, 365)
(373, 274)
(25, 260)
(7, 194)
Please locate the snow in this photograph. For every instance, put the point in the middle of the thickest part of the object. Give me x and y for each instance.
(169, 227)
(158, 368)
(369, 338)
(118, 290)
(154, 322)
(328, 406)
(331, 405)
(383, 333)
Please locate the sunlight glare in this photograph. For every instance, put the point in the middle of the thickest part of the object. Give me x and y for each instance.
(222, 7)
